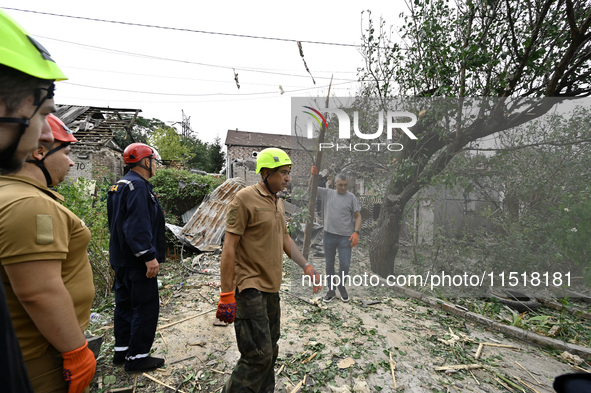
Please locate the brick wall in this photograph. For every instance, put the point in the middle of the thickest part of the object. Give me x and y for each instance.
(91, 163)
(300, 169)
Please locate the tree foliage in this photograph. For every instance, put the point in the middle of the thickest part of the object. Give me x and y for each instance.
(188, 151)
(169, 144)
(543, 177)
(516, 52)
(207, 157)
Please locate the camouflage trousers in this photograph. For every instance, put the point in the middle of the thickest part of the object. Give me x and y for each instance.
(257, 327)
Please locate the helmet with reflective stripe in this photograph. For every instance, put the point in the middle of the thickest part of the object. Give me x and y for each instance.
(20, 51)
(272, 158)
(136, 151)
(60, 131)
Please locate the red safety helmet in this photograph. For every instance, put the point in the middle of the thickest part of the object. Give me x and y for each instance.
(60, 131)
(136, 151)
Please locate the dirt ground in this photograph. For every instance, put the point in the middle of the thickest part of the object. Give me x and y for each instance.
(336, 346)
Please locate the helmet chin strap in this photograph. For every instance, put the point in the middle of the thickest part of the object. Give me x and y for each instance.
(41, 164)
(267, 184)
(149, 169)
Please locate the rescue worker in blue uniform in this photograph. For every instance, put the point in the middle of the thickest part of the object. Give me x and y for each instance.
(136, 249)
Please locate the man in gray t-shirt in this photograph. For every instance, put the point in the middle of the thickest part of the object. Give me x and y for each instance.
(342, 222)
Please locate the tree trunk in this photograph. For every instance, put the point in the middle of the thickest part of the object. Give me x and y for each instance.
(385, 238)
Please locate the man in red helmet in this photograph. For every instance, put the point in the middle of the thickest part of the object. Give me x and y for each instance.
(136, 249)
(46, 271)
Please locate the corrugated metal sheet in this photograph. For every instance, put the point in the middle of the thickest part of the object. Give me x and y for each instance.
(207, 226)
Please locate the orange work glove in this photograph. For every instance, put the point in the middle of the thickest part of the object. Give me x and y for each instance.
(226, 307)
(79, 366)
(354, 239)
(310, 271)
(314, 170)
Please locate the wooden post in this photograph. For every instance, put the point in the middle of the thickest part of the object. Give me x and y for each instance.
(314, 186)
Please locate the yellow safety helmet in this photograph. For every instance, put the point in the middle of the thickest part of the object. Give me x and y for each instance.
(272, 158)
(20, 51)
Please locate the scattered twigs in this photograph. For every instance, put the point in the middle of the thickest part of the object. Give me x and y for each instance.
(581, 369)
(527, 371)
(310, 358)
(163, 340)
(503, 384)
(299, 385)
(506, 381)
(458, 367)
(479, 351)
(299, 298)
(392, 368)
(162, 383)
(185, 319)
(220, 372)
(182, 360)
(502, 346)
(481, 347)
(525, 384)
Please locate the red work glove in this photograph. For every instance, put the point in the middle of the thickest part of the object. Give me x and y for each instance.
(314, 170)
(79, 366)
(226, 307)
(354, 239)
(310, 271)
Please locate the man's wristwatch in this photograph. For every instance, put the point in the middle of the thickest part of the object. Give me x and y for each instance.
(357, 232)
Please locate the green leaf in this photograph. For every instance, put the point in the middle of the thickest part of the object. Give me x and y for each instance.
(109, 380)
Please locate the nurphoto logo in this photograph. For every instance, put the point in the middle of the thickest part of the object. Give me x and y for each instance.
(395, 121)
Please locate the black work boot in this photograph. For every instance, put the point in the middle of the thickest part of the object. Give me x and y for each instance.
(119, 358)
(143, 364)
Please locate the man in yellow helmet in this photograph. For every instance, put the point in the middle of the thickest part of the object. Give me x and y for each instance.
(251, 270)
(27, 75)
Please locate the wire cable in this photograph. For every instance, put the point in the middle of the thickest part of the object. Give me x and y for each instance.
(141, 55)
(181, 29)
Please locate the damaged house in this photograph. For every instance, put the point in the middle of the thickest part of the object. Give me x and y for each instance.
(97, 155)
(243, 146)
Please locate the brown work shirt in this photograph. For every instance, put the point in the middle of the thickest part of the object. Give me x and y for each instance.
(260, 221)
(35, 226)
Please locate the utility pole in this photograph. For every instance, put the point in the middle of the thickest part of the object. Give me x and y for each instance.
(314, 186)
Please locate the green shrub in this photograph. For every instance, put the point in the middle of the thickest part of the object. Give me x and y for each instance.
(572, 231)
(180, 190)
(88, 200)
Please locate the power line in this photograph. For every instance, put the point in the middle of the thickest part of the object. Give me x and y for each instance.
(182, 29)
(242, 69)
(199, 95)
(136, 74)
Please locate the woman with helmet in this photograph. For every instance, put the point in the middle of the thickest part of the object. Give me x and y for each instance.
(63, 137)
(136, 249)
(27, 73)
(47, 274)
(251, 270)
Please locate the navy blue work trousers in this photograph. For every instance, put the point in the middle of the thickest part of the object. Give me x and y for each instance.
(137, 305)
